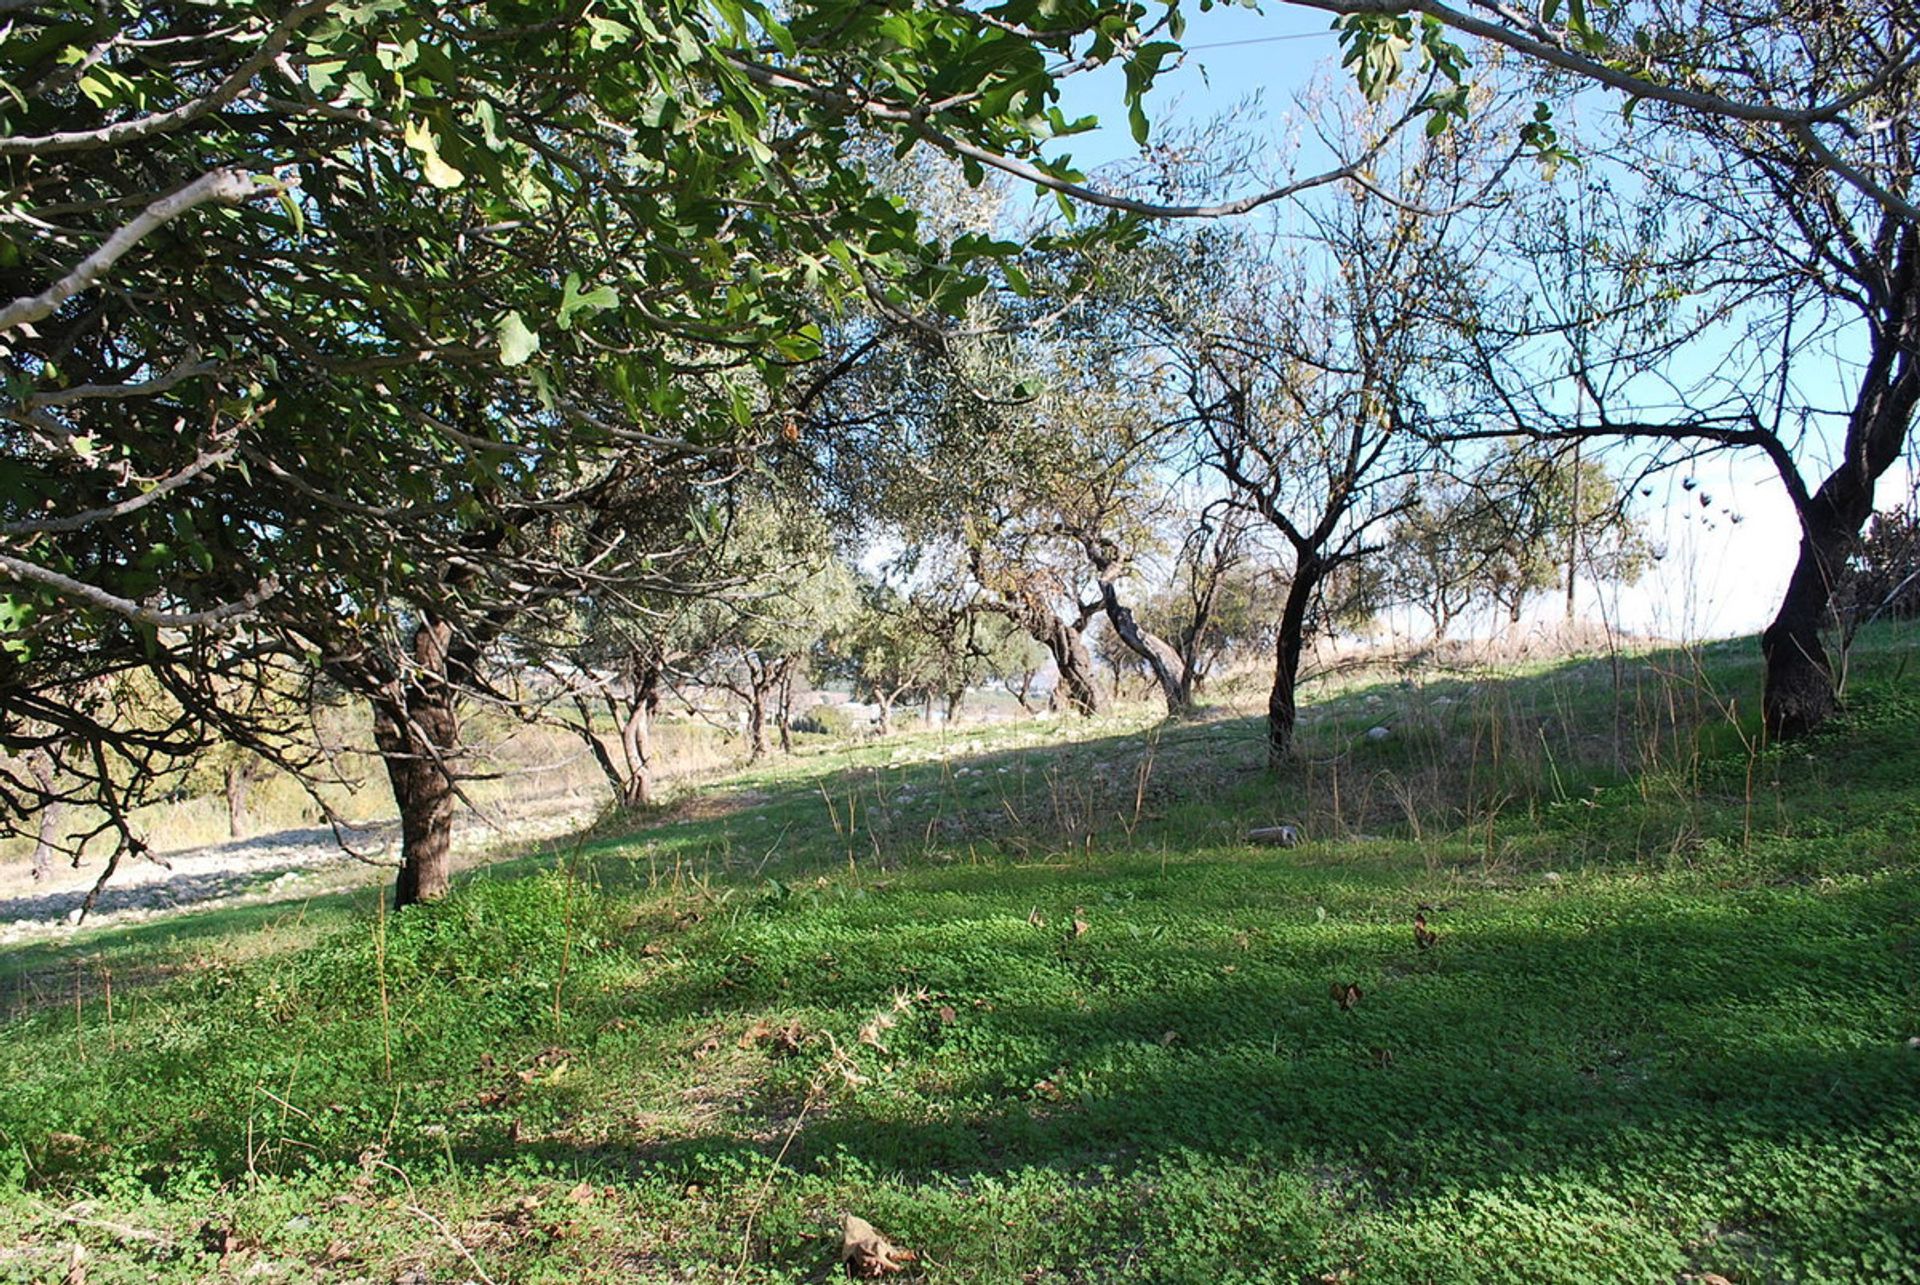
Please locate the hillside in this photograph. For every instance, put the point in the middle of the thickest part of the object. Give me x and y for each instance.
(1025, 999)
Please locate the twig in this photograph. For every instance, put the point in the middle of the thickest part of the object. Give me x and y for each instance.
(455, 1241)
(121, 1230)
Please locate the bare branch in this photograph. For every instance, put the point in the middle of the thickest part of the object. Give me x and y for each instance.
(20, 569)
(79, 521)
(920, 120)
(226, 186)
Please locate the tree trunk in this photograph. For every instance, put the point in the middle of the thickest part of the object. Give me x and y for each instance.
(636, 739)
(885, 701)
(1282, 711)
(1168, 670)
(1069, 651)
(784, 715)
(617, 780)
(1024, 693)
(417, 732)
(1799, 693)
(759, 747)
(40, 763)
(240, 776)
(423, 792)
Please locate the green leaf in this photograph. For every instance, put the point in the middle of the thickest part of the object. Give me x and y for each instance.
(422, 142)
(292, 208)
(517, 343)
(572, 302)
(16, 614)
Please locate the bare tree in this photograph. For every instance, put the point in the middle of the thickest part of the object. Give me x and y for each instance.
(1308, 365)
(1748, 256)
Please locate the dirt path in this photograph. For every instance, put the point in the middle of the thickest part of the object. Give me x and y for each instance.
(283, 866)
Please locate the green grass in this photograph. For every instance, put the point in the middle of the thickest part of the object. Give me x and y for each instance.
(1032, 1008)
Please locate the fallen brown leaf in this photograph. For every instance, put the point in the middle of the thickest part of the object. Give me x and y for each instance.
(783, 1039)
(1346, 994)
(217, 1239)
(1423, 936)
(866, 1253)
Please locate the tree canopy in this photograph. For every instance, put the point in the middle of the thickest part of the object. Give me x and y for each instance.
(348, 345)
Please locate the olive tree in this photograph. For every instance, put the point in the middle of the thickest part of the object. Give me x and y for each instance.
(317, 318)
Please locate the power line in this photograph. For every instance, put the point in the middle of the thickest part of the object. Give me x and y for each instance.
(1258, 40)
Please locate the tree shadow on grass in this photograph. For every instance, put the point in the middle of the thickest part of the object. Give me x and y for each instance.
(1726, 1054)
(1645, 1044)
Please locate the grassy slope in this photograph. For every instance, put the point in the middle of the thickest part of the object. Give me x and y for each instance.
(1029, 1005)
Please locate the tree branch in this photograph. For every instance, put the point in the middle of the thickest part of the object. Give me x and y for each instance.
(227, 186)
(20, 569)
(162, 122)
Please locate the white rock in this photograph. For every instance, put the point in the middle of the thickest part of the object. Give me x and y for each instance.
(1378, 733)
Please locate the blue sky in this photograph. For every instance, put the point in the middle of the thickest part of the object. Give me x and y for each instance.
(1724, 568)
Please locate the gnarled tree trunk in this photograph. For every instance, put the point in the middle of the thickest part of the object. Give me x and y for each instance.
(784, 715)
(636, 733)
(1176, 682)
(758, 747)
(1799, 693)
(1069, 651)
(761, 689)
(418, 733)
(238, 783)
